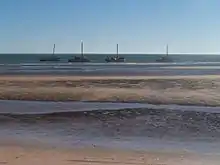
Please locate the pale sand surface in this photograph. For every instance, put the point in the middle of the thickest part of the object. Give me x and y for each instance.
(183, 90)
(20, 155)
(53, 77)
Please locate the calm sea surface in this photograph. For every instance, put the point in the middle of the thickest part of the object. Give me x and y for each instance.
(134, 65)
(100, 58)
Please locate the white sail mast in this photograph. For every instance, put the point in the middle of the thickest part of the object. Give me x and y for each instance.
(167, 50)
(117, 50)
(82, 49)
(54, 46)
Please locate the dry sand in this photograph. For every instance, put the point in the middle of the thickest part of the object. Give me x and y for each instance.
(17, 155)
(183, 90)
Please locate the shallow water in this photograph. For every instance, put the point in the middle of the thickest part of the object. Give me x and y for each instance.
(134, 126)
(105, 69)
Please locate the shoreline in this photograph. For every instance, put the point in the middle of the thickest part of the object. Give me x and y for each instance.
(115, 102)
(107, 77)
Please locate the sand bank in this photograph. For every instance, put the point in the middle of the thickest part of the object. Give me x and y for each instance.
(17, 155)
(183, 90)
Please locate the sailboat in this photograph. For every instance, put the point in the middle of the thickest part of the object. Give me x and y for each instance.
(52, 57)
(165, 58)
(81, 58)
(116, 58)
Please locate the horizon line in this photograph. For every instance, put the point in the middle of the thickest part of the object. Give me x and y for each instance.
(132, 53)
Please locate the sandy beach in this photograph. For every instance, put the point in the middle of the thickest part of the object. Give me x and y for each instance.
(189, 90)
(106, 82)
(182, 90)
(25, 155)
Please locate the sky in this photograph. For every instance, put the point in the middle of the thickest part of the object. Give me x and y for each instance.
(138, 26)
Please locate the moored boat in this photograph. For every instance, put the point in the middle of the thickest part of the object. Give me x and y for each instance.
(165, 58)
(51, 57)
(81, 58)
(116, 58)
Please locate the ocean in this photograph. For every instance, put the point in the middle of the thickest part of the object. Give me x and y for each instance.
(118, 125)
(100, 58)
(135, 64)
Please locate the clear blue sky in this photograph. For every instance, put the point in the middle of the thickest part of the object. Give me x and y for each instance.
(188, 26)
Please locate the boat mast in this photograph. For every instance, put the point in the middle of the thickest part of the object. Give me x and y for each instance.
(82, 49)
(117, 50)
(167, 50)
(54, 48)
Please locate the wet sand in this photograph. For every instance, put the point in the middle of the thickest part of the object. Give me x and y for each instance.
(182, 90)
(25, 155)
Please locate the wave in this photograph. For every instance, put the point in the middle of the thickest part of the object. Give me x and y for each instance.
(111, 64)
(129, 68)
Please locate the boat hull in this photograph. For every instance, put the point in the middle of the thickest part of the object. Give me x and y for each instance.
(115, 60)
(164, 59)
(79, 60)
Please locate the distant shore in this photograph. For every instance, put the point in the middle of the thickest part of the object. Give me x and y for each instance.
(182, 90)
